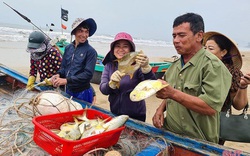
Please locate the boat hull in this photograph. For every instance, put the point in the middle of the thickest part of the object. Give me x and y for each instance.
(178, 145)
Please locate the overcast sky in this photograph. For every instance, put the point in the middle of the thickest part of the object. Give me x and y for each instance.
(147, 19)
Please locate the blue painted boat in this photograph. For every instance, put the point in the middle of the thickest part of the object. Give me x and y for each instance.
(178, 145)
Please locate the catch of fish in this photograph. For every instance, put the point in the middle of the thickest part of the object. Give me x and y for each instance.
(82, 127)
(146, 89)
(127, 65)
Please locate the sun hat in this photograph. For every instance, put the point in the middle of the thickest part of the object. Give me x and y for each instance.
(120, 36)
(234, 51)
(123, 36)
(90, 22)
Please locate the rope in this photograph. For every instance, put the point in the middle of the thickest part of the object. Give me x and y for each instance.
(16, 130)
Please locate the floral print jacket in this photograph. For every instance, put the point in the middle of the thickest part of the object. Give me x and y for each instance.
(47, 66)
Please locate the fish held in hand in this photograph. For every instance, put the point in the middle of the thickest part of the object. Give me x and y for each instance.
(146, 89)
(127, 64)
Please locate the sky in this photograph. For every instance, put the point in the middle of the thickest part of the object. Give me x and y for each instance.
(146, 19)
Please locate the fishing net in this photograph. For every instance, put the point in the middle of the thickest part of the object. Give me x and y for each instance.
(16, 128)
(46, 102)
(132, 142)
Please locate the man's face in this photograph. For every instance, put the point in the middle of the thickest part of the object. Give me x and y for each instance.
(81, 34)
(183, 39)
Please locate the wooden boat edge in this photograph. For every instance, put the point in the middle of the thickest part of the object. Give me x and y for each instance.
(183, 144)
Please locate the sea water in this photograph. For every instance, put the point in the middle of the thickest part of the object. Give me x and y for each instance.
(155, 48)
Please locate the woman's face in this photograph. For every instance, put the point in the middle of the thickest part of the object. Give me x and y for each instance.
(214, 48)
(121, 48)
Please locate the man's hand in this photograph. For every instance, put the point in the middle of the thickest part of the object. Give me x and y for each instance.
(158, 118)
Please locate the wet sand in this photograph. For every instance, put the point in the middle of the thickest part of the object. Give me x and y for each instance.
(13, 55)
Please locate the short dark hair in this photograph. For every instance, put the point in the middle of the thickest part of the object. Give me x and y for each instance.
(195, 20)
(84, 25)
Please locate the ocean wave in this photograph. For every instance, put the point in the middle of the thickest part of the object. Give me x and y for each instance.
(21, 34)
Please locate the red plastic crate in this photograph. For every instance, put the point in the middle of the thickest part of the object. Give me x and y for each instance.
(58, 146)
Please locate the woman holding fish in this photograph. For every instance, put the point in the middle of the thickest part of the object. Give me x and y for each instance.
(124, 69)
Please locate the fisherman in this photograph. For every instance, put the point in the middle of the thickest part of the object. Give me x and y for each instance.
(44, 58)
(120, 103)
(198, 85)
(78, 62)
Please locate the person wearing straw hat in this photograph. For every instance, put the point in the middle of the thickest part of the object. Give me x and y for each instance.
(78, 62)
(119, 99)
(226, 50)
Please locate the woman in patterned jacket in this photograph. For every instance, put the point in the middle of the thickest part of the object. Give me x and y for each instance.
(44, 58)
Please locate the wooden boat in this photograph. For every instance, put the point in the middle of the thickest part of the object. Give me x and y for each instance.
(11, 80)
(159, 68)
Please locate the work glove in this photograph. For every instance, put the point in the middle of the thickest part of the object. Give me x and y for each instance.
(46, 82)
(143, 61)
(115, 79)
(31, 82)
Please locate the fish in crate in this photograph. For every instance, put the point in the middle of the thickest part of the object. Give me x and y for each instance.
(82, 127)
(77, 132)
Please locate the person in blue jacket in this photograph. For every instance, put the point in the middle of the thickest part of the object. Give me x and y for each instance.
(78, 62)
(119, 99)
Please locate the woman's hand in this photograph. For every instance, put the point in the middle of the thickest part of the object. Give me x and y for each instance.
(245, 81)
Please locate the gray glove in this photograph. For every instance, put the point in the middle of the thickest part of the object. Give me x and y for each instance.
(143, 60)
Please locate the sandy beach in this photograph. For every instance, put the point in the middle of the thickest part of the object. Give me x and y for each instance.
(17, 59)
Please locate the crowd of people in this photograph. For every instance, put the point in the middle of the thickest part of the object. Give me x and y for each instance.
(204, 81)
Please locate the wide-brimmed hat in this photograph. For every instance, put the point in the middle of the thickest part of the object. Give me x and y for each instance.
(90, 23)
(234, 51)
(120, 36)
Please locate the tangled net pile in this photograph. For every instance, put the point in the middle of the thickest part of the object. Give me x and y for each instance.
(16, 130)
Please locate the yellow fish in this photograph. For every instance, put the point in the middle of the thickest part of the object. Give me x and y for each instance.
(146, 89)
(116, 122)
(127, 65)
(70, 131)
(93, 130)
